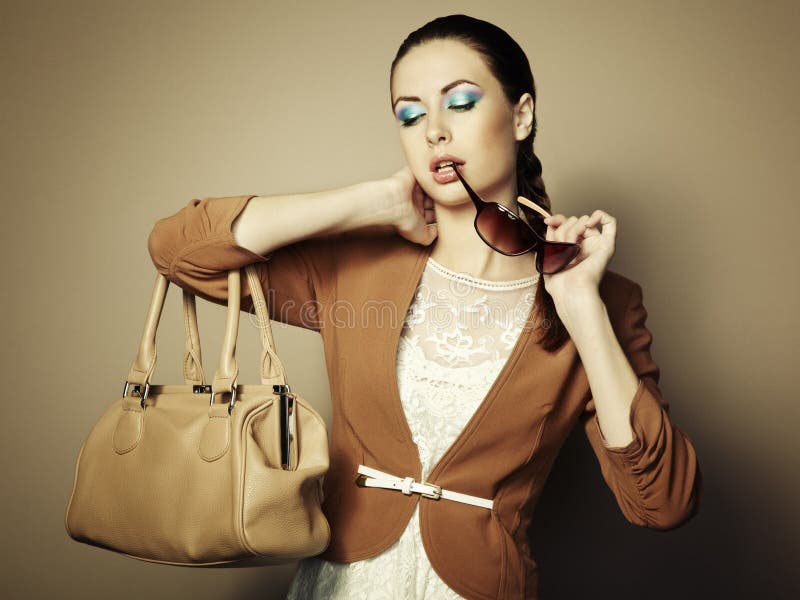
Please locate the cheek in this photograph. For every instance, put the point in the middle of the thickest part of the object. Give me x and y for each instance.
(413, 150)
(496, 129)
(417, 157)
(497, 137)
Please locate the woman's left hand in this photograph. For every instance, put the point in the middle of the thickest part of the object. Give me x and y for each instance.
(597, 247)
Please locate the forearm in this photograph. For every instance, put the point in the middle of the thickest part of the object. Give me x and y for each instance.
(612, 380)
(270, 222)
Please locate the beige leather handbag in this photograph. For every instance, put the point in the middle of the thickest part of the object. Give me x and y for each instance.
(173, 474)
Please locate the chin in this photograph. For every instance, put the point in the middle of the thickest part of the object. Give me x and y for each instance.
(451, 196)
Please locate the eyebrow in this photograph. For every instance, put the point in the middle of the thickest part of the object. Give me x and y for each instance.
(443, 90)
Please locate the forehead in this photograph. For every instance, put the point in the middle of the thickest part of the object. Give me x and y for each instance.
(426, 68)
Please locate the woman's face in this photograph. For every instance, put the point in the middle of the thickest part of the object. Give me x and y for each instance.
(471, 120)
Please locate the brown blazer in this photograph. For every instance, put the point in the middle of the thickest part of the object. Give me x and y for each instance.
(354, 288)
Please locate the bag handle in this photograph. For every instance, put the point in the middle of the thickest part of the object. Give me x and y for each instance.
(192, 358)
(270, 367)
(269, 352)
(228, 371)
(145, 362)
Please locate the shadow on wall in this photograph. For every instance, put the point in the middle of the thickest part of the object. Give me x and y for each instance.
(266, 583)
(585, 548)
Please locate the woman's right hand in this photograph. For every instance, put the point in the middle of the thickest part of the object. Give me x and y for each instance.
(414, 214)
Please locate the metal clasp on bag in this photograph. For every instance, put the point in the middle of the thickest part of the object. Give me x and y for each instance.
(231, 403)
(136, 389)
(286, 397)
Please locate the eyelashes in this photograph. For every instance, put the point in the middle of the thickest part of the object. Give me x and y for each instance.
(463, 107)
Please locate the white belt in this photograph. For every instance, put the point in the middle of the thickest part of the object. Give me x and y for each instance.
(407, 485)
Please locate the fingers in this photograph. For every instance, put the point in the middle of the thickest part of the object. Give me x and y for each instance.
(417, 197)
(431, 232)
(561, 228)
(424, 235)
(423, 204)
(569, 229)
(608, 222)
(429, 208)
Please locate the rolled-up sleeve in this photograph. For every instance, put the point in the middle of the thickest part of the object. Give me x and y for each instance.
(195, 249)
(656, 478)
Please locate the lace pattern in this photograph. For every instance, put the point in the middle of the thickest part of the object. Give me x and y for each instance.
(457, 336)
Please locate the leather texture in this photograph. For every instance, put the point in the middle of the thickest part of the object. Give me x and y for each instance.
(175, 478)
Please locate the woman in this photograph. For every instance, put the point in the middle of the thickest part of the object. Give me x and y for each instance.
(481, 405)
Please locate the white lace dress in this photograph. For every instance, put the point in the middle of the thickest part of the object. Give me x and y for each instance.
(458, 334)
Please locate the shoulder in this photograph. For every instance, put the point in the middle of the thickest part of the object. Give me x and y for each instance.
(358, 261)
(370, 246)
(343, 247)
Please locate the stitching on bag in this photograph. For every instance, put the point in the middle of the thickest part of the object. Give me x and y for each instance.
(191, 343)
(138, 438)
(74, 487)
(243, 475)
(222, 452)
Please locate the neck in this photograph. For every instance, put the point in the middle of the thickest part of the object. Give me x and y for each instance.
(459, 247)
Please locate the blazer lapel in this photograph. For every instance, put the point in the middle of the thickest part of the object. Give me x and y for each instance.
(528, 362)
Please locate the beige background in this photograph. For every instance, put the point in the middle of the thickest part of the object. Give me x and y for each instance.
(678, 118)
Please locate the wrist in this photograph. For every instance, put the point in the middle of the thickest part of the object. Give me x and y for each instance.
(372, 204)
(581, 306)
(388, 208)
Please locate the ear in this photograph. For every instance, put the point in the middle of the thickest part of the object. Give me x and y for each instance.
(523, 117)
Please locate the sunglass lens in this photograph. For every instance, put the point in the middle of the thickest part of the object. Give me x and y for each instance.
(504, 232)
(554, 257)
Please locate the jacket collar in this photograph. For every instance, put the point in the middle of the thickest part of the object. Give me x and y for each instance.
(410, 264)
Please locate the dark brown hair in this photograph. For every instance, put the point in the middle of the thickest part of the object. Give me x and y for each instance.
(506, 60)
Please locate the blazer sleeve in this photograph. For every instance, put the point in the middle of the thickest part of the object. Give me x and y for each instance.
(195, 248)
(656, 478)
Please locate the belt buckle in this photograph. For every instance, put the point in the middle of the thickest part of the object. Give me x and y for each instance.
(437, 491)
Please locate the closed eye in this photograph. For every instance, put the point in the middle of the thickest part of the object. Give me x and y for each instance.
(456, 107)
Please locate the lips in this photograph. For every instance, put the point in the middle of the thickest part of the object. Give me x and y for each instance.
(444, 157)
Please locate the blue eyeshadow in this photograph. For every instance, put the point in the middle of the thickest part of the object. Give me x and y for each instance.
(408, 112)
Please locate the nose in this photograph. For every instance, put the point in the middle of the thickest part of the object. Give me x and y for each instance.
(437, 131)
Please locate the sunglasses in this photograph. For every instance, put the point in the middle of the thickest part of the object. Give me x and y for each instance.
(507, 233)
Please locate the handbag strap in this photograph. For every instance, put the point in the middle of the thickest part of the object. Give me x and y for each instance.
(145, 362)
(192, 358)
(271, 368)
(228, 371)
